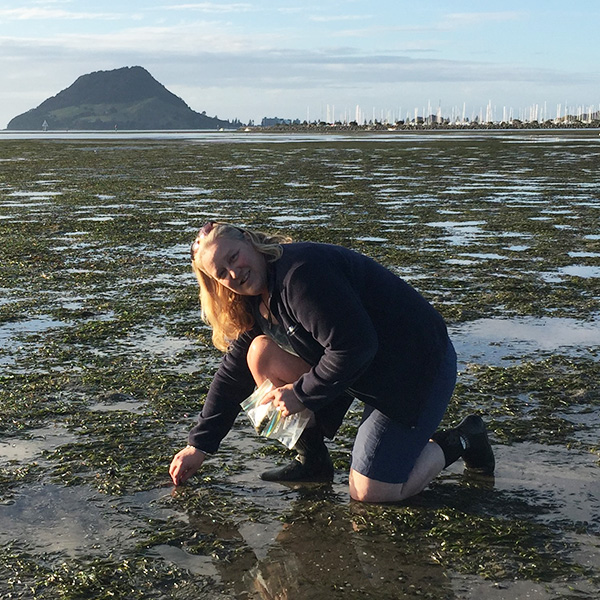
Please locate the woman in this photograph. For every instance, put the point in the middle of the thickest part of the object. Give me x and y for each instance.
(327, 325)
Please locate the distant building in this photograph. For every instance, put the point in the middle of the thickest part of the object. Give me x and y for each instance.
(273, 121)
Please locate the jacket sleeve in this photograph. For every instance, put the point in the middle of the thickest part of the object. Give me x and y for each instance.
(325, 303)
(232, 384)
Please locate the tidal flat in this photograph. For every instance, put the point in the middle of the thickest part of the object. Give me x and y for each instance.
(104, 364)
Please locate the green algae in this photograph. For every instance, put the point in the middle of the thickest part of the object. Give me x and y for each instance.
(99, 578)
(533, 400)
(94, 249)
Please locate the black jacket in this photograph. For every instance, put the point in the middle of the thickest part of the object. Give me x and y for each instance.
(367, 333)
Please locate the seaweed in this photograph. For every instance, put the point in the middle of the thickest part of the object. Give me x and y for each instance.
(102, 340)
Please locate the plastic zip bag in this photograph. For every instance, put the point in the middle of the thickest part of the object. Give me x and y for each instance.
(269, 423)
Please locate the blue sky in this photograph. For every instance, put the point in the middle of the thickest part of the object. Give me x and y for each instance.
(312, 58)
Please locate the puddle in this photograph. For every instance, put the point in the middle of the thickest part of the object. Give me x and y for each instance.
(77, 521)
(584, 254)
(492, 340)
(159, 343)
(72, 520)
(10, 331)
(580, 271)
(13, 336)
(97, 219)
(37, 195)
(466, 588)
(376, 240)
(460, 261)
(565, 481)
(483, 256)
(37, 441)
(296, 218)
(179, 191)
(132, 406)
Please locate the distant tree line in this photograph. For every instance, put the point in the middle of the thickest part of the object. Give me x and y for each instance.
(277, 124)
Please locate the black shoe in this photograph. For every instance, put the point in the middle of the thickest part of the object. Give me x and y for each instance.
(297, 471)
(479, 456)
(313, 462)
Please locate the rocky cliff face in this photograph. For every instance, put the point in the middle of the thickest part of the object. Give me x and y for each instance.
(126, 98)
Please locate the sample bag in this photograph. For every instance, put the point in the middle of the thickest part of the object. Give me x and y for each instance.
(267, 420)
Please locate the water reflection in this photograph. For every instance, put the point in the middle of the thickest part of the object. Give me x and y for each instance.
(72, 520)
(36, 442)
(323, 549)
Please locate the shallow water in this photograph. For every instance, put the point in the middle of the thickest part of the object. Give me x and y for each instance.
(104, 361)
(493, 341)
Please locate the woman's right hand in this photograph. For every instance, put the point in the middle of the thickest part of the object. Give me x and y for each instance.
(185, 463)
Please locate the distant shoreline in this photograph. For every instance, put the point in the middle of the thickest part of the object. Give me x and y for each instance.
(277, 131)
(342, 127)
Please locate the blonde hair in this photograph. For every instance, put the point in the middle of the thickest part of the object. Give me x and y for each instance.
(229, 314)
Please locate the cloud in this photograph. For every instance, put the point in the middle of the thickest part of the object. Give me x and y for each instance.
(456, 20)
(189, 38)
(336, 18)
(447, 22)
(213, 55)
(210, 7)
(302, 71)
(41, 14)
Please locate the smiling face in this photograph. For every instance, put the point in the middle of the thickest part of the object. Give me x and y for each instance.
(237, 265)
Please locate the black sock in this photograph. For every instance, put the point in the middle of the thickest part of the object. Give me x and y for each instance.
(452, 443)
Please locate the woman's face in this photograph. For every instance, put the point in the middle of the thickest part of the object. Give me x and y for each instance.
(236, 265)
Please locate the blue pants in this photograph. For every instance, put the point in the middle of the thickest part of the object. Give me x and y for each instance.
(387, 451)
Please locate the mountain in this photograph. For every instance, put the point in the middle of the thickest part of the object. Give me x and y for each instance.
(126, 98)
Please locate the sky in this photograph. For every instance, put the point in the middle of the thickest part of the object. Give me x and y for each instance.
(314, 59)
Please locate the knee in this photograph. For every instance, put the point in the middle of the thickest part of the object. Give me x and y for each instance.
(364, 494)
(257, 352)
(364, 489)
(359, 495)
(356, 487)
(258, 346)
(266, 360)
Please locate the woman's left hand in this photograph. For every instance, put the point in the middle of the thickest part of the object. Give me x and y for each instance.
(284, 400)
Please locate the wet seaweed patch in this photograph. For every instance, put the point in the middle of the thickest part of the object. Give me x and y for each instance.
(13, 476)
(29, 401)
(117, 457)
(398, 543)
(101, 339)
(104, 578)
(533, 400)
(470, 543)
